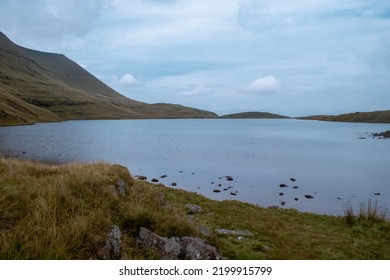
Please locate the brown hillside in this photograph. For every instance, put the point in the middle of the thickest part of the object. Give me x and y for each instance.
(38, 86)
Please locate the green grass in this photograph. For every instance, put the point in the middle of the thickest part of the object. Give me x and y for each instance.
(65, 212)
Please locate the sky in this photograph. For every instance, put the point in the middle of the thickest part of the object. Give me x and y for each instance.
(293, 58)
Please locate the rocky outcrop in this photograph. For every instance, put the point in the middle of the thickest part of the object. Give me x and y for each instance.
(196, 249)
(382, 135)
(113, 246)
(119, 189)
(174, 248)
(165, 248)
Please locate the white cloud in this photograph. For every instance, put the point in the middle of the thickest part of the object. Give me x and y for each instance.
(127, 81)
(197, 90)
(266, 84)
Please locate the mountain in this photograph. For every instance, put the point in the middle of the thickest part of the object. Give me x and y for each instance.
(367, 117)
(38, 86)
(253, 115)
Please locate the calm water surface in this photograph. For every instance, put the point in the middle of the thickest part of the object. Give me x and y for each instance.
(327, 160)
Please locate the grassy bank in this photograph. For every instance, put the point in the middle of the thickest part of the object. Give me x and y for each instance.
(65, 212)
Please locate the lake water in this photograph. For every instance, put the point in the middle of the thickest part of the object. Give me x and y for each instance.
(327, 160)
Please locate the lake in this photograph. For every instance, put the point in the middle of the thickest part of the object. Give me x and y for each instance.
(327, 160)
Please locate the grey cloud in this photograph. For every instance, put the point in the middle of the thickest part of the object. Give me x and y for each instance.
(49, 20)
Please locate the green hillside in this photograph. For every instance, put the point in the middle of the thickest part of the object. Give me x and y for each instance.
(37, 86)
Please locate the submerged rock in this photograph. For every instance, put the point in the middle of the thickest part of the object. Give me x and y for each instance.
(308, 196)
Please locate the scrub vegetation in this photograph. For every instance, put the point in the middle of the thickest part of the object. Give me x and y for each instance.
(66, 211)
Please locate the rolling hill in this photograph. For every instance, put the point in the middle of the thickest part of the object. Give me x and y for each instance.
(38, 87)
(253, 115)
(367, 117)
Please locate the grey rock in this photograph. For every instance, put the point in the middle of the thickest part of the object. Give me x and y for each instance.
(196, 249)
(194, 209)
(233, 232)
(175, 248)
(160, 197)
(165, 248)
(121, 187)
(112, 248)
(203, 230)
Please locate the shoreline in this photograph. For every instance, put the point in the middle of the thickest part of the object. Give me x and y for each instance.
(63, 203)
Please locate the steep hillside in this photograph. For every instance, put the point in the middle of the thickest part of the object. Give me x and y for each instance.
(38, 86)
(368, 117)
(253, 115)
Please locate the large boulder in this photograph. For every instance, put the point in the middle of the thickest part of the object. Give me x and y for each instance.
(175, 248)
(165, 248)
(196, 249)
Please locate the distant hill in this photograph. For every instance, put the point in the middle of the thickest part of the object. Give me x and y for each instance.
(367, 117)
(38, 86)
(253, 115)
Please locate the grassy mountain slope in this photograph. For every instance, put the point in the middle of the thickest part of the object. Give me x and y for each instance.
(253, 115)
(368, 117)
(38, 86)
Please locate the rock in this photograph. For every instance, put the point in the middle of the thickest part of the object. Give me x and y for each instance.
(121, 187)
(225, 189)
(163, 176)
(165, 248)
(112, 248)
(233, 232)
(295, 187)
(203, 230)
(282, 203)
(160, 197)
(381, 135)
(154, 180)
(281, 193)
(308, 196)
(292, 179)
(233, 193)
(174, 184)
(196, 249)
(194, 209)
(377, 193)
(296, 198)
(174, 248)
(141, 177)
(219, 185)
(229, 178)
(216, 191)
(283, 185)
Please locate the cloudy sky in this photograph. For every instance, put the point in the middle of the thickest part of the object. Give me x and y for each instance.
(289, 57)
